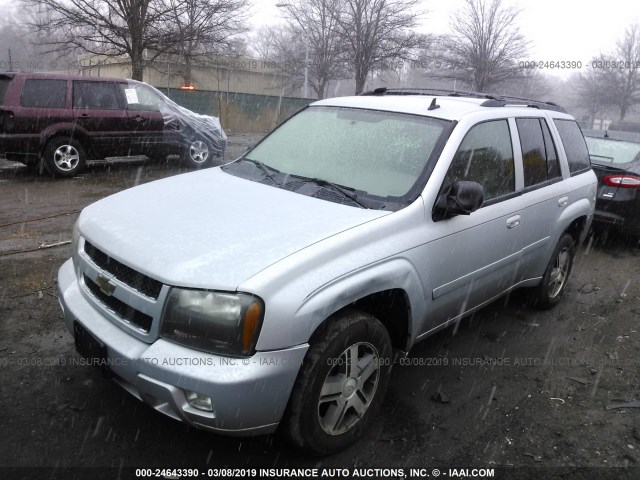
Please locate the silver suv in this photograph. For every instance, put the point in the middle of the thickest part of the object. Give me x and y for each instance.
(277, 290)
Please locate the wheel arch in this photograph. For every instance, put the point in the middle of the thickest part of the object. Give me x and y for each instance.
(389, 293)
(70, 131)
(578, 229)
(575, 219)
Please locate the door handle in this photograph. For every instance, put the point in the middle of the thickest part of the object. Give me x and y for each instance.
(513, 221)
(563, 202)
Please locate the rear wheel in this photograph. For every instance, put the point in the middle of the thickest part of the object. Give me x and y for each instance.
(556, 276)
(64, 157)
(341, 384)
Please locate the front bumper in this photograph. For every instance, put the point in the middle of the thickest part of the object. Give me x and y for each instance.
(249, 394)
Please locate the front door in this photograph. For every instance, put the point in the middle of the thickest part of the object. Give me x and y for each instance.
(147, 115)
(475, 257)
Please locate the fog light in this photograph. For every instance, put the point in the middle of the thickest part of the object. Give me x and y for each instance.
(199, 401)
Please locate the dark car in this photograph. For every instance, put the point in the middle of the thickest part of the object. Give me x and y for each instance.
(616, 161)
(61, 121)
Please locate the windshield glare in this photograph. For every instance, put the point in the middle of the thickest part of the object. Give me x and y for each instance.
(380, 153)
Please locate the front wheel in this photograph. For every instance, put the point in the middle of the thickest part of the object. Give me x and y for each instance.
(556, 276)
(341, 384)
(64, 157)
(197, 153)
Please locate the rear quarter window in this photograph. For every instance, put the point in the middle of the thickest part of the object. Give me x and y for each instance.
(574, 146)
(44, 93)
(4, 84)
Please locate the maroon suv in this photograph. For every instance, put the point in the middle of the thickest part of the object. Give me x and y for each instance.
(60, 121)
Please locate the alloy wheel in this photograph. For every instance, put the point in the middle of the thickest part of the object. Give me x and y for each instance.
(349, 388)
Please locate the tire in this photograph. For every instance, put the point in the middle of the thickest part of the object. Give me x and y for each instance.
(555, 278)
(331, 404)
(197, 153)
(64, 157)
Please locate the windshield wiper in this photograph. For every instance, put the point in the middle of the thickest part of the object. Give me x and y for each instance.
(266, 169)
(344, 191)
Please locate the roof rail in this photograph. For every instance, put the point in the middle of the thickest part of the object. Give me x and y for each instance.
(507, 101)
(428, 91)
(492, 100)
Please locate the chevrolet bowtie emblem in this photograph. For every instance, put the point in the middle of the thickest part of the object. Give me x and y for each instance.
(105, 285)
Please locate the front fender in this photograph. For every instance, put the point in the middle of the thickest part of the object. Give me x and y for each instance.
(394, 273)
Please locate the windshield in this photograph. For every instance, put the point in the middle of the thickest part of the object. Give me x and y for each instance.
(378, 153)
(612, 151)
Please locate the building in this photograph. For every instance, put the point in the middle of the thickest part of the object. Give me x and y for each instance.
(247, 94)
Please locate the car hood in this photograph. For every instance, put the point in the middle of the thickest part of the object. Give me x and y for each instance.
(210, 229)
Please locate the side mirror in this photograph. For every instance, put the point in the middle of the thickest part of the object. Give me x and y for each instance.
(461, 198)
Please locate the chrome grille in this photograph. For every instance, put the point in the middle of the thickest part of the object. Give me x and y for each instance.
(124, 311)
(136, 280)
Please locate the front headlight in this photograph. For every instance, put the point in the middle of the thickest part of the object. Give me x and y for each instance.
(214, 322)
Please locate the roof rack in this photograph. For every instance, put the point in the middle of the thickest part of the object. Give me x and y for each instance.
(491, 100)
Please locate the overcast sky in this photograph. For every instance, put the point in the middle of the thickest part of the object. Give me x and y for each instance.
(567, 30)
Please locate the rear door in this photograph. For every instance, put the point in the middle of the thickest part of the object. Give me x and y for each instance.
(99, 111)
(544, 194)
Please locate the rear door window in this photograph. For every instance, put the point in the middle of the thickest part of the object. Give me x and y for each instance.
(553, 164)
(44, 93)
(574, 146)
(539, 158)
(96, 95)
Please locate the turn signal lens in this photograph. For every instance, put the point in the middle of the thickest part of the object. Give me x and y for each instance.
(252, 318)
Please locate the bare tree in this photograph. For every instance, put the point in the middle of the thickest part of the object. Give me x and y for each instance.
(139, 29)
(283, 48)
(611, 81)
(530, 84)
(378, 34)
(485, 45)
(619, 72)
(316, 24)
(265, 42)
(588, 91)
(206, 27)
